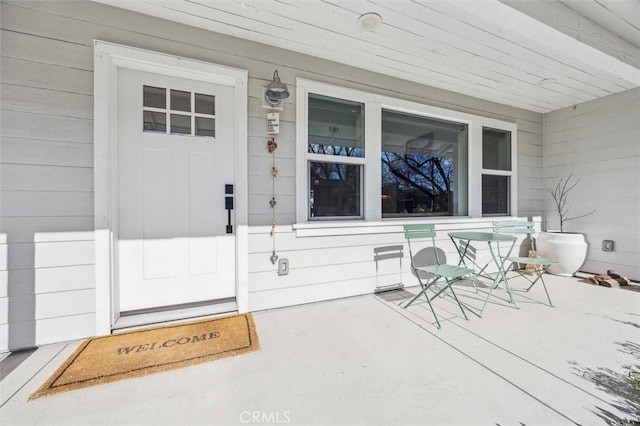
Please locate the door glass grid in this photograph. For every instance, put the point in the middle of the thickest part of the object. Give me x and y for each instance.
(178, 112)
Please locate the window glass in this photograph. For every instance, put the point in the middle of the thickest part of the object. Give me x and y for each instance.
(154, 97)
(423, 164)
(496, 178)
(181, 124)
(205, 104)
(184, 121)
(180, 101)
(335, 190)
(336, 127)
(495, 195)
(154, 121)
(205, 126)
(406, 159)
(496, 149)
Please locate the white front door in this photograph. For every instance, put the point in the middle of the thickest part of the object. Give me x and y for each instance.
(176, 157)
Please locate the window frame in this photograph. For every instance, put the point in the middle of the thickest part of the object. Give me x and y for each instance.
(496, 172)
(461, 202)
(371, 174)
(335, 159)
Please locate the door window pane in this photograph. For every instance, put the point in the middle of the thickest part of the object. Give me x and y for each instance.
(181, 124)
(495, 195)
(205, 126)
(496, 149)
(202, 119)
(154, 121)
(423, 164)
(336, 127)
(180, 101)
(154, 97)
(205, 104)
(335, 190)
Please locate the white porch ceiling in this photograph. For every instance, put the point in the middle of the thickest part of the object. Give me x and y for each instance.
(537, 55)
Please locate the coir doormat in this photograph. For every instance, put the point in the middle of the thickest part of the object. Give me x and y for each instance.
(119, 356)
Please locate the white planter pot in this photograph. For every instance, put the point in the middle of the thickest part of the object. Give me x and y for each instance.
(567, 248)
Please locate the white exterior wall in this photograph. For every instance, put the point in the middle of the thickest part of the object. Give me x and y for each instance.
(599, 141)
(328, 263)
(47, 284)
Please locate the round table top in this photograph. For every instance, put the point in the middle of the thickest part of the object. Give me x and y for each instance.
(482, 236)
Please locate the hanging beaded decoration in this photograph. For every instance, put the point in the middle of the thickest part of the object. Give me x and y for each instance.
(271, 146)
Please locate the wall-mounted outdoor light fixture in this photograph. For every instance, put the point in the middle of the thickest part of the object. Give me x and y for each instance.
(276, 91)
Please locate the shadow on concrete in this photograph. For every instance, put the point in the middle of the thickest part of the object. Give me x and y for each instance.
(623, 386)
(13, 360)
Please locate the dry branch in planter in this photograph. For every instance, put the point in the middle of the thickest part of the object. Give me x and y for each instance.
(559, 195)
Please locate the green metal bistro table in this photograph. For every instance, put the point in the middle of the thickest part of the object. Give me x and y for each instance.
(493, 240)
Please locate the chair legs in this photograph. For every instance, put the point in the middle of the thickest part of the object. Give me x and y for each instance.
(437, 292)
(457, 301)
(424, 291)
(539, 277)
(416, 296)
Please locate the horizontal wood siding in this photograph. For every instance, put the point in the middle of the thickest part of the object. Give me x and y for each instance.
(46, 168)
(599, 141)
(339, 262)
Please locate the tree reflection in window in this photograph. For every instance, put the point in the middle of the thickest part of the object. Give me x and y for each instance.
(342, 151)
(334, 189)
(419, 184)
(420, 160)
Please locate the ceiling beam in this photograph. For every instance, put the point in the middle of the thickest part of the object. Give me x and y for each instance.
(562, 17)
(538, 32)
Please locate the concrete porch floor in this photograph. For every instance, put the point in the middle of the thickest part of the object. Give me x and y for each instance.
(364, 360)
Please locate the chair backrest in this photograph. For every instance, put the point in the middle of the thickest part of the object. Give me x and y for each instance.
(421, 231)
(516, 227)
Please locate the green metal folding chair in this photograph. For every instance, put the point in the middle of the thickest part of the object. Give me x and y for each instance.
(540, 264)
(450, 273)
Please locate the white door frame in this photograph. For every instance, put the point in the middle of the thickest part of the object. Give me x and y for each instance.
(108, 58)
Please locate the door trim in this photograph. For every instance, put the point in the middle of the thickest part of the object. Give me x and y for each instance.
(108, 59)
